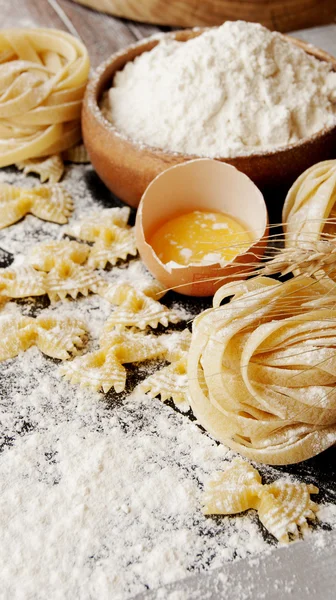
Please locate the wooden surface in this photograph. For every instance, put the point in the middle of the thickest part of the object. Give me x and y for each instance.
(282, 15)
(102, 34)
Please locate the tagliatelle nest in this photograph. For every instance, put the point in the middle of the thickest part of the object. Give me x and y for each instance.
(309, 212)
(283, 506)
(43, 74)
(262, 368)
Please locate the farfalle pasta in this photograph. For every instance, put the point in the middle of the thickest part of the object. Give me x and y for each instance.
(58, 269)
(21, 282)
(171, 382)
(47, 202)
(283, 506)
(49, 169)
(67, 275)
(104, 369)
(57, 337)
(112, 238)
(262, 368)
(136, 308)
(43, 74)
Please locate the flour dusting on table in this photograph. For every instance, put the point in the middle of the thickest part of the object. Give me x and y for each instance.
(100, 496)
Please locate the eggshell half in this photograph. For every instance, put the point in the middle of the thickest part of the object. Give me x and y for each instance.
(207, 185)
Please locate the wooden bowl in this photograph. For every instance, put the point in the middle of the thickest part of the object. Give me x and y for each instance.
(284, 15)
(127, 167)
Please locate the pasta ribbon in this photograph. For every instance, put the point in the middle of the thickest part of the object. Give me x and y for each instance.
(283, 506)
(262, 368)
(308, 211)
(43, 74)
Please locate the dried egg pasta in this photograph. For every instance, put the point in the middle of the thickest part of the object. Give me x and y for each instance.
(104, 369)
(47, 202)
(57, 337)
(283, 506)
(136, 308)
(262, 369)
(49, 169)
(43, 74)
(76, 154)
(171, 381)
(66, 273)
(21, 282)
(112, 238)
(309, 204)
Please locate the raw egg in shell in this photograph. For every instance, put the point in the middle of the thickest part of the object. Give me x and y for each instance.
(199, 224)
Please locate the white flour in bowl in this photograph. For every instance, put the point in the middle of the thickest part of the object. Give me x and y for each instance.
(233, 90)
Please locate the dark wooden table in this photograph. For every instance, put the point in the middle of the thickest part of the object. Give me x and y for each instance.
(102, 34)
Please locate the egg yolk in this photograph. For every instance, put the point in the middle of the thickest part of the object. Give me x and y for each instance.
(200, 237)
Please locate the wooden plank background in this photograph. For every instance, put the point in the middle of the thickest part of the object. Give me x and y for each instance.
(102, 34)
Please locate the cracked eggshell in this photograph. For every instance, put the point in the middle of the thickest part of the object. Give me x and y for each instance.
(206, 185)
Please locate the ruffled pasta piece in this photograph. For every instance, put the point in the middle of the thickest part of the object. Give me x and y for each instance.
(132, 346)
(96, 371)
(77, 154)
(171, 381)
(52, 203)
(42, 83)
(112, 238)
(57, 337)
(49, 169)
(67, 275)
(136, 309)
(46, 255)
(283, 507)
(98, 224)
(262, 369)
(48, 202)
(17, 334)
(14, 205)
(69, 279)
(104, 369)
(22, 282)
(233, 491)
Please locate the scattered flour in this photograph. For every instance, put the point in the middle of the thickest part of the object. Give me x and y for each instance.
(233, 90)
(100, 495)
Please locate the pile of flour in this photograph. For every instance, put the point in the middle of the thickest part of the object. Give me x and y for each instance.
(231, 91)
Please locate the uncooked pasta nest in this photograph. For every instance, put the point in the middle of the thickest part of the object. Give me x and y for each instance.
(262, 368)
(309, 211)
(43, 74)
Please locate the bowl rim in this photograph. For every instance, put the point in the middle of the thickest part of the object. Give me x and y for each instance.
(91, 100)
